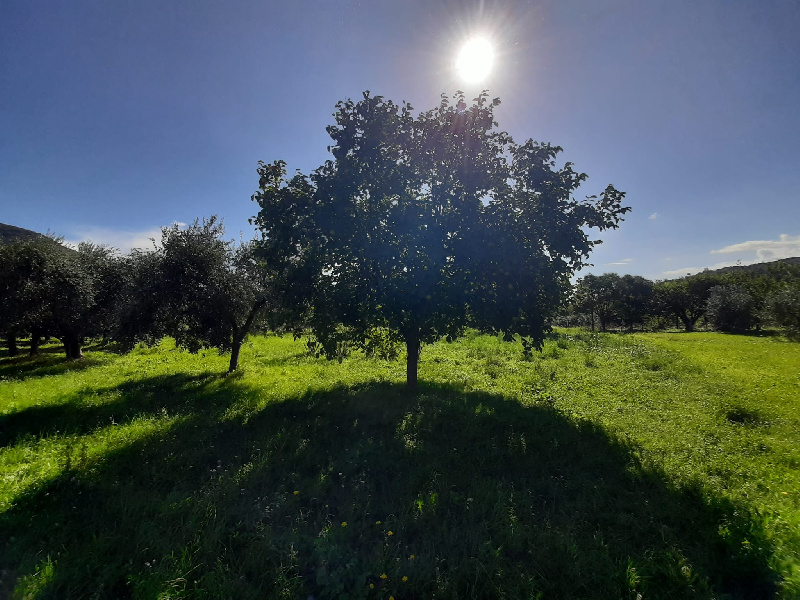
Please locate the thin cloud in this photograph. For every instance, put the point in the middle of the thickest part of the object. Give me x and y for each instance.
(654, 216)
(624, 261)
(123, 240)
(694, 270)
(786, 246)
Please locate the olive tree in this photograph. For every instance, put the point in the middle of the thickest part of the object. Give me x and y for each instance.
(69, 294)
(685, 299)
(196, 286)
(730, 308)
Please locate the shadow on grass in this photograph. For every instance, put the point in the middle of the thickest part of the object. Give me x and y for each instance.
(90, 409)
(51, 361)
(492, 499)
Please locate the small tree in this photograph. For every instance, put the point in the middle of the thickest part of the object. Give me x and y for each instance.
(599, 296)
(420, 226)
(729, 308)
(197, 287)
(25, 288)
(783, 309)
(66, 293)
(686, 299)
(635, 299)
(84, 290)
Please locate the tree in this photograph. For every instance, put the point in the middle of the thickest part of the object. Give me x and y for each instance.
(686, 298)
(599, 296)
(67, 293)
(197, 287)
(635, 299)
(84, 287)
(25, 288)
(730, 308)
(783, 307)
(421, 226)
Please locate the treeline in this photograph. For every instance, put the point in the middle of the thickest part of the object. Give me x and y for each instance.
(731, 302)
(193, 285)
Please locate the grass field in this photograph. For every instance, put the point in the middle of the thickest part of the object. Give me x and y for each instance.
(634, 466)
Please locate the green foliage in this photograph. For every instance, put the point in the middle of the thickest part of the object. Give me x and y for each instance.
(730, 308)
(783, 309)
(686, 298)
(425, 225)
(609, 298)
(666, 469)
(50, 289)
(198, 288)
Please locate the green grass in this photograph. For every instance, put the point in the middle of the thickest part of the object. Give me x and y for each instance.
(606, 467)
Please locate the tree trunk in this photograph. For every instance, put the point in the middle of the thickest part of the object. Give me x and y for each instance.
(237, 345)
(35, 340)
(412, 360)
(688, 323)
(240, 333)
(72, 347)
(12, 343)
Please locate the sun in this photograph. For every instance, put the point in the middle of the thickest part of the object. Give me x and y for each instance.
(475, 60)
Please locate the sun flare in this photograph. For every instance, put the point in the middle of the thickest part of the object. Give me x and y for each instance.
(475, 60)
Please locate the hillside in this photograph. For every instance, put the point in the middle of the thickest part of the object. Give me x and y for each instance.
(11, 233)
(754, 268)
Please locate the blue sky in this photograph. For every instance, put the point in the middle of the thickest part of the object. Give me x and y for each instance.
(119, 117)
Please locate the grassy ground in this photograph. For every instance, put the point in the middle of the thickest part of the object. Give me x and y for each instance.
(664, 466)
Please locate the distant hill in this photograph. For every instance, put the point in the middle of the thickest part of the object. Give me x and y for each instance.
(755, 268)
(10, 234)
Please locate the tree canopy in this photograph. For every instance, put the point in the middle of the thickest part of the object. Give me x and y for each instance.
(197, 287)
(420, 226)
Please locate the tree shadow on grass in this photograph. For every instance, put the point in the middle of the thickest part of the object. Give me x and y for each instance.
(51, 361)
(321, 495)
(92, 408)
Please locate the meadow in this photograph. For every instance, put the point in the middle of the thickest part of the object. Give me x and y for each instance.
(608, 466)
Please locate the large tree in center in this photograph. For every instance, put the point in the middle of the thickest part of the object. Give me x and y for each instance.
(422, 225)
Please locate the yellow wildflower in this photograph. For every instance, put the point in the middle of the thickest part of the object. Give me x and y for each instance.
(344, 523)
(412, 557)
(405, 578)
(377, 522)
(391, 597)
(384, 575)
(390, 533)
(296, 492)
(372, 586)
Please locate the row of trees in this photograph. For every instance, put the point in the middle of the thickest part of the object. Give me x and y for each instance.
(193, 285)
(418, 227)
(734, 301)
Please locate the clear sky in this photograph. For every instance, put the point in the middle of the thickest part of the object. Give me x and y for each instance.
(119, 117)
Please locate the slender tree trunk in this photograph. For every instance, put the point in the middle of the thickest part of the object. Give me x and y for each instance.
(237, 345)
(240, 333)
(35, 341)
(412, 360)
(12, 343)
